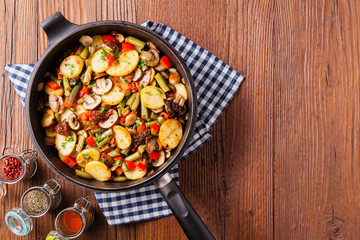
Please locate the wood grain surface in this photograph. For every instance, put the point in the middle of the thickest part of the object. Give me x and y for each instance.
(284, 159)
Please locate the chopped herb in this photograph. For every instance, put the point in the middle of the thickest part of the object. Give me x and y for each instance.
(111, 118)
(175, 134)
(70, 139)
(142, 63)
(72, 83)
(148, 93)
(104, 53)
(116, 55)
(121, 79)
(97, 139)
(90, 127)
(159, 91)
(63, 145)
(72, 72)
(101, 110)
(127, 61)
(87, 156)
(69, 65)
(104, 160)
(138, 122)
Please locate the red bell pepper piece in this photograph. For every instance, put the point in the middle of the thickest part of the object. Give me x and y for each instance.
(140, 167)
(109, 38)
(67, 103)
(90, 141)
(130, 164)
(134, 149)
(110, 59)
(53, 85)
(82, 116)
(84, 90)
(124, 117)
(155, 127)
(141, 126)
(70, 161)
(165, 61)
(112, 142)
(154, 155)
(115, 79)
(165, 115)
(125, 46)
(118, 171)
(118, 158)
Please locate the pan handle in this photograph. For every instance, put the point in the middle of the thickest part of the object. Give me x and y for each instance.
(187, 217)
(56, 26)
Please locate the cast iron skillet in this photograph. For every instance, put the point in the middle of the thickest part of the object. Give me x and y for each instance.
(62, 34)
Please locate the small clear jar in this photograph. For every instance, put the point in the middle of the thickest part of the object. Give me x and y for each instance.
(51, 190)
(82, 211)
(28, 161)
(53, 235)
(18, 221)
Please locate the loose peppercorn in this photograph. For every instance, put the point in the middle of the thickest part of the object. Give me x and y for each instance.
(12, 168)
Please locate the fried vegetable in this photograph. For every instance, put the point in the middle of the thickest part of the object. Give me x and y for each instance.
(72, 66)
(50, 132)
(97, 41)
(98, 170)
(128, 61)
(170, 133)
(48, 118)
(83, 174)
(65, 114)
(122, 137)
(181, 89)
(87, 155)
(114, 97)
(134, 173)
(65, 144)
(98, 62)
(50, 91)
(152, 97)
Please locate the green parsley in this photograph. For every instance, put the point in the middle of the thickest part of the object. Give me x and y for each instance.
(142, 63)
(73, 83)
(127, 61)
(97, 139)
(72, 72)
(70, 139)
(104, 53)
(175, 134)
(138, 122)
(101, 110)
(121, 79)
(87, 156)
(90, 127)
(63, 145)
(159, 91)
(116, 55)
(148, 93)
(104, 160)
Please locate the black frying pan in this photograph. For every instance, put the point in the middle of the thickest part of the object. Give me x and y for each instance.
(61, 35)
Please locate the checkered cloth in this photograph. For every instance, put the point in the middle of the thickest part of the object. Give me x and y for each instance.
(216, 84)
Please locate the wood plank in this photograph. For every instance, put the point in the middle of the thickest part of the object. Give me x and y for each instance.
(316, 120)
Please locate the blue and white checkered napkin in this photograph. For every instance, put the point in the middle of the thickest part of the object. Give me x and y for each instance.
(216, 84)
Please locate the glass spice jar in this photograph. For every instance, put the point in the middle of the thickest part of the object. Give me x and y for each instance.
(37, 201)
(18, 221)
(73, 221)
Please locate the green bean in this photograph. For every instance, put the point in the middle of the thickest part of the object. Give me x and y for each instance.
(73, 93)
(105, 141)
(125, 151)
(124, 166)
(58, 82)
(87, 75)
(106, 133)
(120, 179)
(117, 162)
(153, 116)
(122, 104)
(165, 75)
(142, 148)
(66, 84)
(138, 49)
(130, 100)
(91, 51)
(125, 111)
(161, 119)
(149, 124)
(83, 174)
(114, 153)
(161, 82)
(79, 50)
(135, 41)
(57, 117)
(136, 102)
(80, 144)
(84, 53)
(80, 101)
(72, 109)
(140, 87)
(144, 111)
(133, 157)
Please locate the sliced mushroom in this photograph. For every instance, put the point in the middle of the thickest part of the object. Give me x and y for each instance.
(130, 119)
(102, 86)
(167, 153)
(151, 57)
(179, 100)
(111, 120)
(160, 67)
(82, 133)
(73, 121)
(161, 159)
(151, 45)
(120, 37)
(159, 110)
(55, 103)
(148, 77)
(137, 75)
(153, 145)
(132, 131)
(91, 102)
(86, 40)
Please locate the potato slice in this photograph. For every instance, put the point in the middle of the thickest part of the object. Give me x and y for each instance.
(98, 170)
(122, 137)
(72, 66)
(128, 61)
(181, 89)
(152, 97)
(114, 97)
(74, 154)
(98, 61)
(170, 133)
(48, 118)
(49, 91)
(134, 174)
(87, 155)
(97, 41)
(79, 108)
(65, 144)
(49, 131)
(65, 114)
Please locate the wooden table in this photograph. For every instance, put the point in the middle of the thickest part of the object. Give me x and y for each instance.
(284, 159)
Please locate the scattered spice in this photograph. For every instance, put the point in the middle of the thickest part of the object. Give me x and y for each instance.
(35, 201)
(12, 168)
